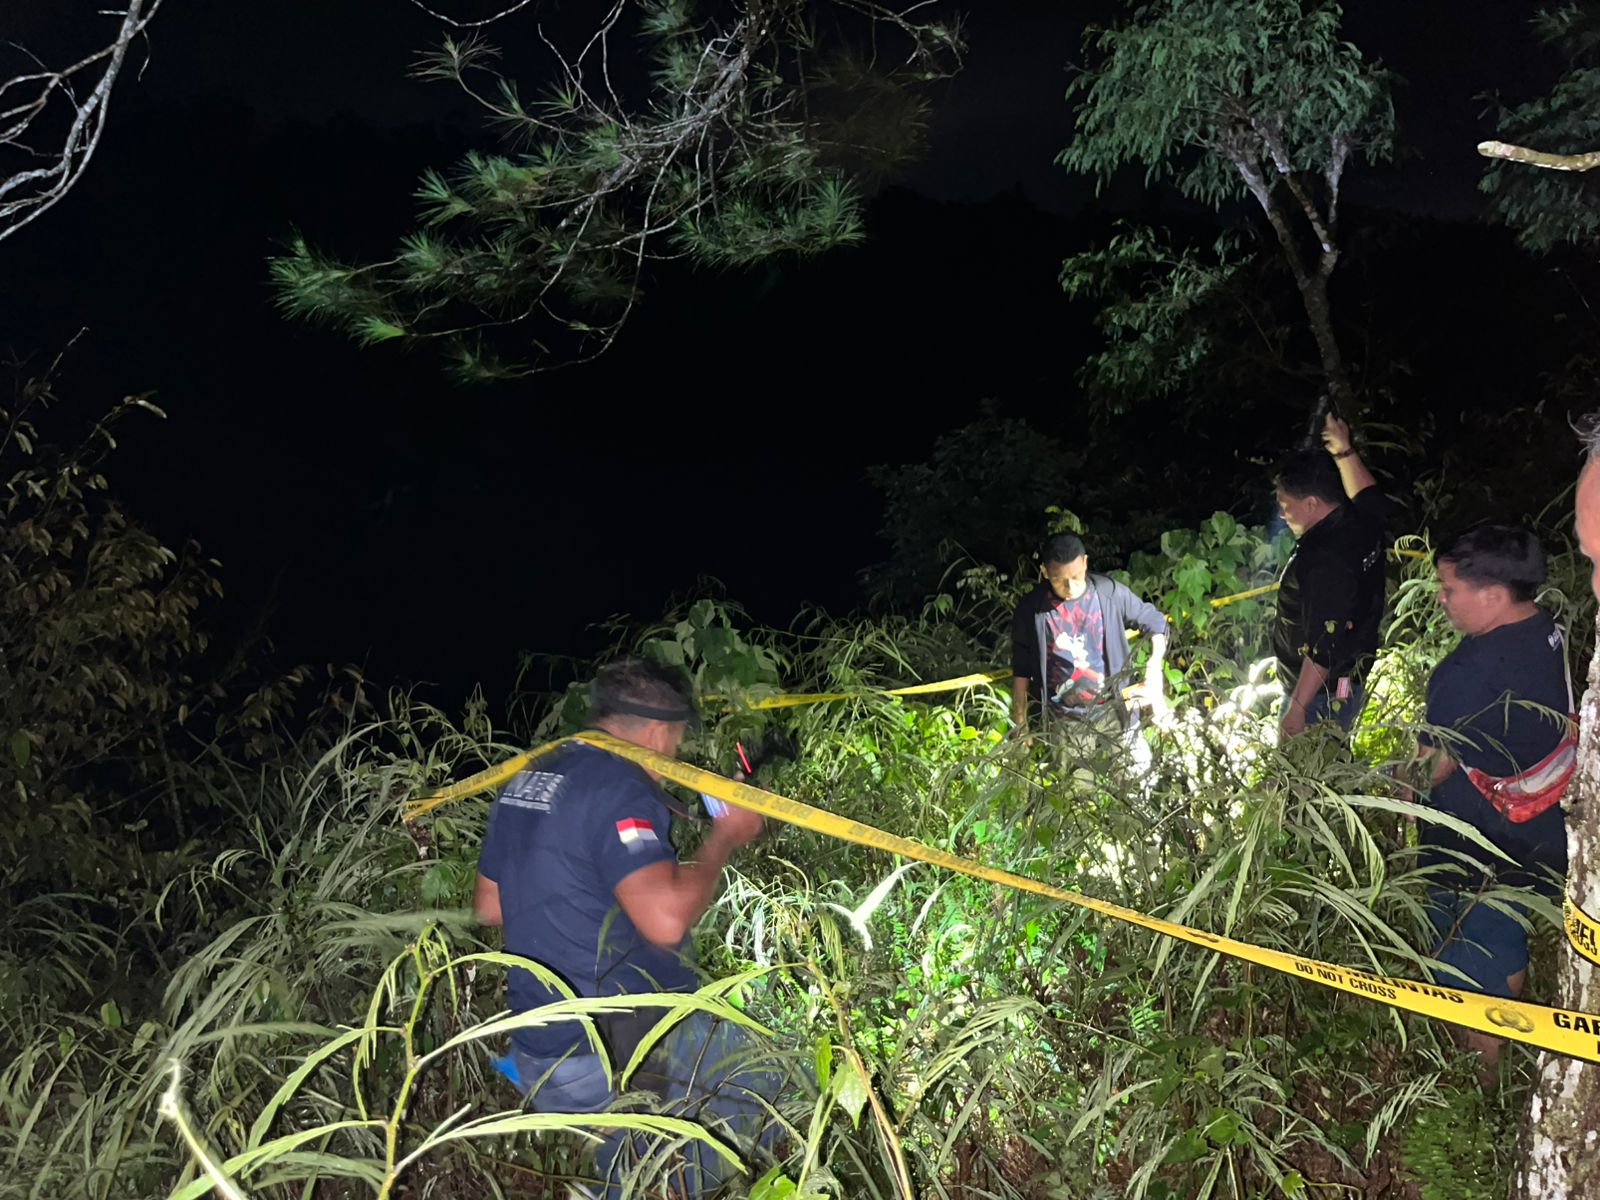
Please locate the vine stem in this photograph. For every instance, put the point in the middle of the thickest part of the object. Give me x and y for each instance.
(171, 1107)
(391, 1147)
(880, 1116)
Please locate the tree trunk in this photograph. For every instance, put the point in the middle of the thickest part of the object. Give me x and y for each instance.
(1311, 283)
(1559, 1149)
(1314, 295)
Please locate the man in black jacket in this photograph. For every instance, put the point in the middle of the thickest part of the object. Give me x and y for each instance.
(1069, 643)
(1330, 600)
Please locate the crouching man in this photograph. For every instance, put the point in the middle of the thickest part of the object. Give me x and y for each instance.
(578, 869)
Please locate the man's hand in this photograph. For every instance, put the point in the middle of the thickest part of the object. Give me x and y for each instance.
(1019, 706)
(486, 902)
(1353, 473)
(1152, 694)
(1403, 788)
(1336, 436)
(1312, 679)
(1019, 735)
(737, 826)
(1292, 723)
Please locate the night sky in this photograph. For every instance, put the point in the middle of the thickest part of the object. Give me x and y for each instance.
(370, 511)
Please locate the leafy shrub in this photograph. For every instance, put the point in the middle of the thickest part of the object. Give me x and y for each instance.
(313, 967)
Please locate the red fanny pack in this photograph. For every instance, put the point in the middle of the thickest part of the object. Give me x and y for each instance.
(1523, 796)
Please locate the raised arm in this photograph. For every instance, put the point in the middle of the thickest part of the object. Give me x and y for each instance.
(1353, 472)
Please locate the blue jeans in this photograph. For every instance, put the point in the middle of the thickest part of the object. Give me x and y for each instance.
(1484, 944)
(704, 1071)
(1325, 706)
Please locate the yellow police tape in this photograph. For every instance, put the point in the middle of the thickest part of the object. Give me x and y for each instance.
(1221, 601)
(1562, 1030)
(796, 699)
(1583, 931)
(1249, 595)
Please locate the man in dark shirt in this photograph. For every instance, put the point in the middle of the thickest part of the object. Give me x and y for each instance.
(1500, 701)
(1330, 599)
(1069, 642)
(577, 867)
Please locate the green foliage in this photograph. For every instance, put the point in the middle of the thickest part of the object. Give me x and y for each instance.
(102, 701)
(1229, 99)
(1148, 296)
(99, 641)
(1203, 322)
(1208, 94)
(236, 963)
(1221, 559)
(723, 661)
(541, 247)
(1461, 1149)
(867, 121)
(315, 970)
(377, 1145)
(1549, 208)
(979, 495)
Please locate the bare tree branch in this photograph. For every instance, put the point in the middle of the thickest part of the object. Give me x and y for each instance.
(35, 98)
(1539, 158)
(452, 21)
(1338, 156)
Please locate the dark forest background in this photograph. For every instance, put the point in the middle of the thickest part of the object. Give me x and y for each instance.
(364, 508)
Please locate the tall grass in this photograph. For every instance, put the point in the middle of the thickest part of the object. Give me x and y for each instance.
(315, 1009)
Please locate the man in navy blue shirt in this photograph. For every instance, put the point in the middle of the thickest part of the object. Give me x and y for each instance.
(1500, 700)
(577, 867)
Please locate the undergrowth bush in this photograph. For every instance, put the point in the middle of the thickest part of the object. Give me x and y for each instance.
(300, 989)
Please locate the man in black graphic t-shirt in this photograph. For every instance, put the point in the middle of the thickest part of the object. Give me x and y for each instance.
(1076, 666)
(1069, 640)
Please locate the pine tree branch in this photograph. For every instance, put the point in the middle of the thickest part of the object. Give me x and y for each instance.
(716, 165)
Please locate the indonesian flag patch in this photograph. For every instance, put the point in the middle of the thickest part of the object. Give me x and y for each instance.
(634, 833)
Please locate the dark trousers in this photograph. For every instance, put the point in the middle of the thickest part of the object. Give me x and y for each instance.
(705, 1070)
